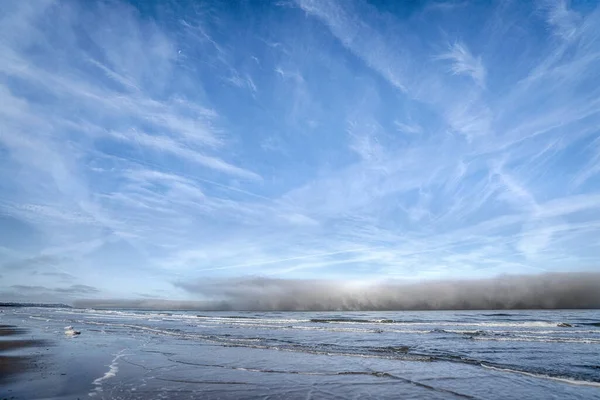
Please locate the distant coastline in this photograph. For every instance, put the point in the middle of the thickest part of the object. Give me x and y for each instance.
(42, 305)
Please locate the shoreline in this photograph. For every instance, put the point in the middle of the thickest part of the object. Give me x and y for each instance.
(138, 356)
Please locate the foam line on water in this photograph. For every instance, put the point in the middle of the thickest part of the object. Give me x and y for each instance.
(113, 369)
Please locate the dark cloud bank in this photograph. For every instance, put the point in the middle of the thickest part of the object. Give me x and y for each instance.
(546, 291)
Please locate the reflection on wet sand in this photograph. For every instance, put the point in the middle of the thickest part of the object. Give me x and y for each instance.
(11, 365)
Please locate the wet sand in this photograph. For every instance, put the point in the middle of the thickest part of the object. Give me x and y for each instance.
(38, 361)
(13, 365)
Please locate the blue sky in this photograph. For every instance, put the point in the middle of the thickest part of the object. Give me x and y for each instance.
(146, 144)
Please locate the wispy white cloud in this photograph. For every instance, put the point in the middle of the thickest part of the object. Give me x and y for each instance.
(464, 63)
(561, 18)
(363, 40)
(166, 144)
(185, 144)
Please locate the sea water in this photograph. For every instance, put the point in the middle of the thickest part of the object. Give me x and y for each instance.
(123, 354)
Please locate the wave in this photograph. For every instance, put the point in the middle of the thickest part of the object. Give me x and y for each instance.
(544, 376)
(541, 339)
(233, 319)
(590, 324)
(402, 353)
(464, 332)
(368, 321)
(389, 355)
(513, 324)
(332, 328)
(396, 323)
(38, 318)
(501, 315)
(227, 317)
(299, 327)
(528, 334)
(247, 320)
(341, 320)
(408, 329)
(590, 366)
(395, 352)
(392, 349)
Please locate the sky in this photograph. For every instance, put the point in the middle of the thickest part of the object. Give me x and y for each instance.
(148, 147)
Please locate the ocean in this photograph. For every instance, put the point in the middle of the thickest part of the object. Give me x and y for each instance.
(123, 354)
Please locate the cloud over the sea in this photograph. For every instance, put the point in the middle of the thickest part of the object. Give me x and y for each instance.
(545, 291)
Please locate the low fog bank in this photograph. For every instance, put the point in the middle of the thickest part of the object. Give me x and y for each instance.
(546, 291)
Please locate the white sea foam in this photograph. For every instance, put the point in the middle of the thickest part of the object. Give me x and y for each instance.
(251, 321)
(247, 320)
(39, 318)
(512, 324)
(113, 369)
(528, 324)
